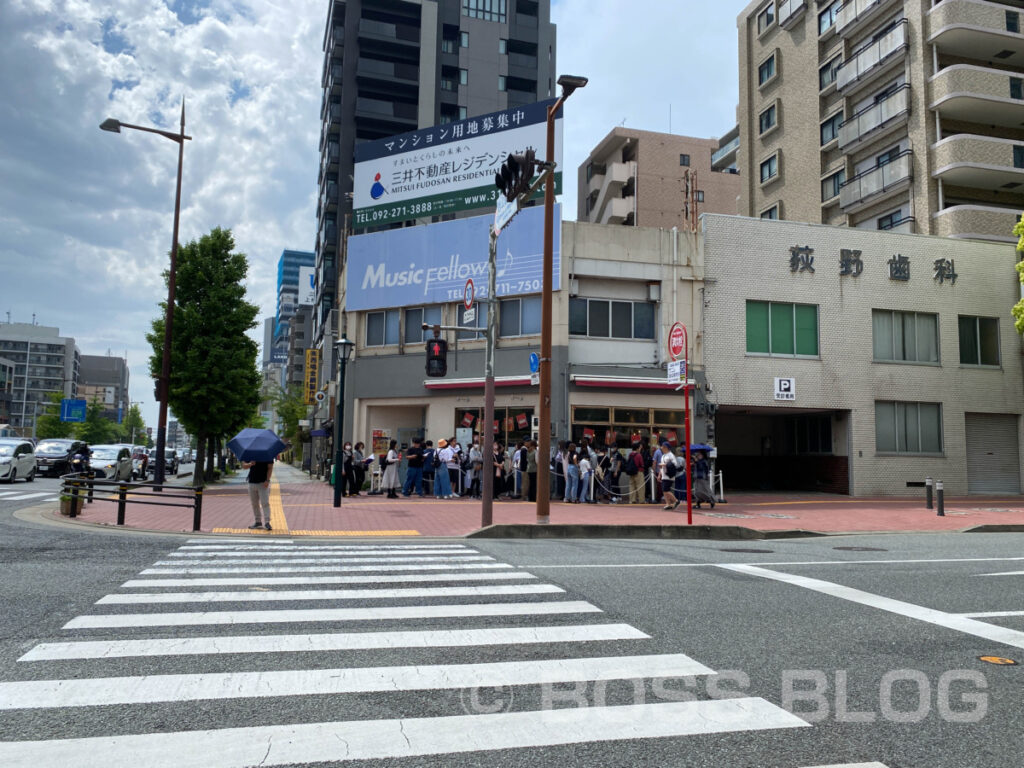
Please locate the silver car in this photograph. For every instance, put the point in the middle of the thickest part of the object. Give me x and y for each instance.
(17, 459)
(111, 462)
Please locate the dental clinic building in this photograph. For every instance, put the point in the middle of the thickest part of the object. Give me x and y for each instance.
(861, 361)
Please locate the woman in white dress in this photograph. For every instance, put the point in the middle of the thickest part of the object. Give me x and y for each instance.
(389, 481)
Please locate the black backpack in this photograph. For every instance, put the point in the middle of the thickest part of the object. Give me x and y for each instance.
(670, 468)
(631, 465)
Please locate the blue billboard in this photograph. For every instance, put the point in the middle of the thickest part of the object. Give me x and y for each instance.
(430, 264)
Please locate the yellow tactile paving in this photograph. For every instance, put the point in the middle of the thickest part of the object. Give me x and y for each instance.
(277, 518)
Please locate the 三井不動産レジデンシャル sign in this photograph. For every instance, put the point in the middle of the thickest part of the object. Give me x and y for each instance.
(446, 168)
(430, 265)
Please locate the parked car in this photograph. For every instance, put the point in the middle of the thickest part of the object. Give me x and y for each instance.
(111, 462)
(170, 461)
(17, 459)
(53, 456)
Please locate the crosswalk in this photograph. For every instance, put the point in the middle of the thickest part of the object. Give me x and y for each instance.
(486, 624)
(21, 495)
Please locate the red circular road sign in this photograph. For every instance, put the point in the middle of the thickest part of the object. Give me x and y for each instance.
(676, 340)
(470, 292)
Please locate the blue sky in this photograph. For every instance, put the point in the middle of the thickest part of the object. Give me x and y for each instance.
(85, 216)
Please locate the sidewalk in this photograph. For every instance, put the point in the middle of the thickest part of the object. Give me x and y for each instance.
(303, 507)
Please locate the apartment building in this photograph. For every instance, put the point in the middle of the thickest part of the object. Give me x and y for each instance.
(44, 362)
(649, 179)
(902, 115)
(105, 379)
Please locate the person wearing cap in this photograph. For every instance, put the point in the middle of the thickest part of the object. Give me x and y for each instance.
(442, 483)
(667, 474)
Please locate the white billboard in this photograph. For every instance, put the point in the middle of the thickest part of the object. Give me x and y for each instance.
(307, 286)
(446, 168)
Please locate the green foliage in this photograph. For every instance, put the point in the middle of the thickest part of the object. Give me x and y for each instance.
(290, 406)
(49, 425)
(1018, 308)
(96, 430)
(133, 420)
(215, 383)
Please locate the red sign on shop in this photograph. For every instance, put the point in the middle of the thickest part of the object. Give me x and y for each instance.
(676, 341)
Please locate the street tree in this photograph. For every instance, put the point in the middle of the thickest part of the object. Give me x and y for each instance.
(49, 425)
(97, 429)
(290, 406)
(133, 427)
(214, 383)
(1018, 308)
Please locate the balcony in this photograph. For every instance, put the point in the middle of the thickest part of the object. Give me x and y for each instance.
(333, 77)
(333, 154)
(335, 38)
(973, 29)
(876, 120)
(332, 118)
(724, 158)
(392, 110)
(328, 237)
(977, 222)
(376, 69)
(790, 11)
(617, 211)
(383, 31)
(329, 197)
(609, 187)
(857, 14)
(870, 186)
(977, 94)
(979, 162)
(873, 59)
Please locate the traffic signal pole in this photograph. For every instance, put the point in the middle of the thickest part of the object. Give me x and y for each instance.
(487, 506)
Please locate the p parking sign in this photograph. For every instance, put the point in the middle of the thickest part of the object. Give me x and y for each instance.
(785, 389)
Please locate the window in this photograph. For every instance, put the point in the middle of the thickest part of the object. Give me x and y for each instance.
(479, 321)
(770, 168)
(463, 39)
(890, 220)
(1018, 156)
(502, 83)
(684, 160)
(766, 17)
(488, 10)
(414, 320)
(766, 71)
(600, 318)
(766, 120)
(448, 84)
(463, 77)
(830, 128)
(887, 157)
(448, 45)
(771, 213)
(1012, 21)
(905, 337)
(1016, 88)
(789, 330)
(462, 113)
(827, 74)
(519, 317)
(908, 427)
(827, 18)
(979, 340)
(700, 195)
(502, 45)
(381, 328)
(830, 185)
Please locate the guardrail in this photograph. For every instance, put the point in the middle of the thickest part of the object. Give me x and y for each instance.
(82, 487)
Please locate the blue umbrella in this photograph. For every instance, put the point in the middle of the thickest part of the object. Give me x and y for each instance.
(701, 447)
(256, 445)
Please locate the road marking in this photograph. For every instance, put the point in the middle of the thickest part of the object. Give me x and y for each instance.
(342, 641)
(24, 496)
(289, 545)
(952, 621)
(772, 563)
(991, 614)
(381, 556)
(149, 689)
(852, 765)
(276, 745)
(328, 594)
(261, 581)
(326, 559)
(322, 568)
(328, 614)
(1005, 573)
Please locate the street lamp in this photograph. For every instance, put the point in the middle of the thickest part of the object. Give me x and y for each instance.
(345, 348)
(163, 386)
(569, 84)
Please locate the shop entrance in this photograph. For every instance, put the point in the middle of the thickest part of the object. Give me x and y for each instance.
(765, 450)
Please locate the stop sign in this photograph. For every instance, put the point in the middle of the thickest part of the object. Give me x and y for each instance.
(677, 340)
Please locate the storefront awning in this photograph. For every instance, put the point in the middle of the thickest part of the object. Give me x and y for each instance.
(622, 382)
(499, 381)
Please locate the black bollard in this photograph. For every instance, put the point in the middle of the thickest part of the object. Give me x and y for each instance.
(928, 482)
(122, 494)
(939, 500)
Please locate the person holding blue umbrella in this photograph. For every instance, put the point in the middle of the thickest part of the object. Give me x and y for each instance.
(256, 449)
(259, 490)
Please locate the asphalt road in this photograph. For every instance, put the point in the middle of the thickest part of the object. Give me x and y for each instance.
(508, 653)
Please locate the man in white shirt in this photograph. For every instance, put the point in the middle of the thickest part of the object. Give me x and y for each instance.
(667, 475)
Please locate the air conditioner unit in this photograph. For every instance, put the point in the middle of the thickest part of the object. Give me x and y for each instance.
(535, 424)
(574, 286)
(654, 291)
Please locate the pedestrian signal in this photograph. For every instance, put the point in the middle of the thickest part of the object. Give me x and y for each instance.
(437, 358)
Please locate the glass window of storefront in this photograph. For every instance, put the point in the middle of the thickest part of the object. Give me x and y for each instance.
(623, 426)
(513, 422)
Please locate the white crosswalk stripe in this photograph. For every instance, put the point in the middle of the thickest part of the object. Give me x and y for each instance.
(26, 496)
(566, 649)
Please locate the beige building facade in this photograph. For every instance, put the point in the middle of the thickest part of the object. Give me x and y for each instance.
(649, 179)
(899, 115)
(855, 361)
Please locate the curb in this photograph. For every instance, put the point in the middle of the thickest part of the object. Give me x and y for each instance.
(996, 528)
(584, 531)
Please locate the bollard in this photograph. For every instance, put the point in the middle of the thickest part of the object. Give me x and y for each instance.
(939, 500)
(74, 499)
(928, 492)
(122, 494)
(91, 476)
(197, 514)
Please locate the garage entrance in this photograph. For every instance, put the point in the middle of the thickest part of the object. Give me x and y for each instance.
(768, 449)
(993, 456)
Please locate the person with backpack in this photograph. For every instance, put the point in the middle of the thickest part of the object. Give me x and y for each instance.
(429, 454)
(635, 471)
(667, 469)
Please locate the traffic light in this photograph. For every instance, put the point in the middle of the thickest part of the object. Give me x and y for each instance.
(437, 358)
(515, 174)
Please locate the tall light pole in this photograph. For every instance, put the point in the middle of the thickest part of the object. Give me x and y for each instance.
(344, 347)
(569, 84)
(163, 387)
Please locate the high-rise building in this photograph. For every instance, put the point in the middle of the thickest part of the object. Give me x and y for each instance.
(44, 362)
(105, 379)
(392, 66)
(289, 293)
(643, 178)
(898, 115)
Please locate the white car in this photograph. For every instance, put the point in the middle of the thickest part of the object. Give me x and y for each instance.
(111, 462)
(17, 459)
